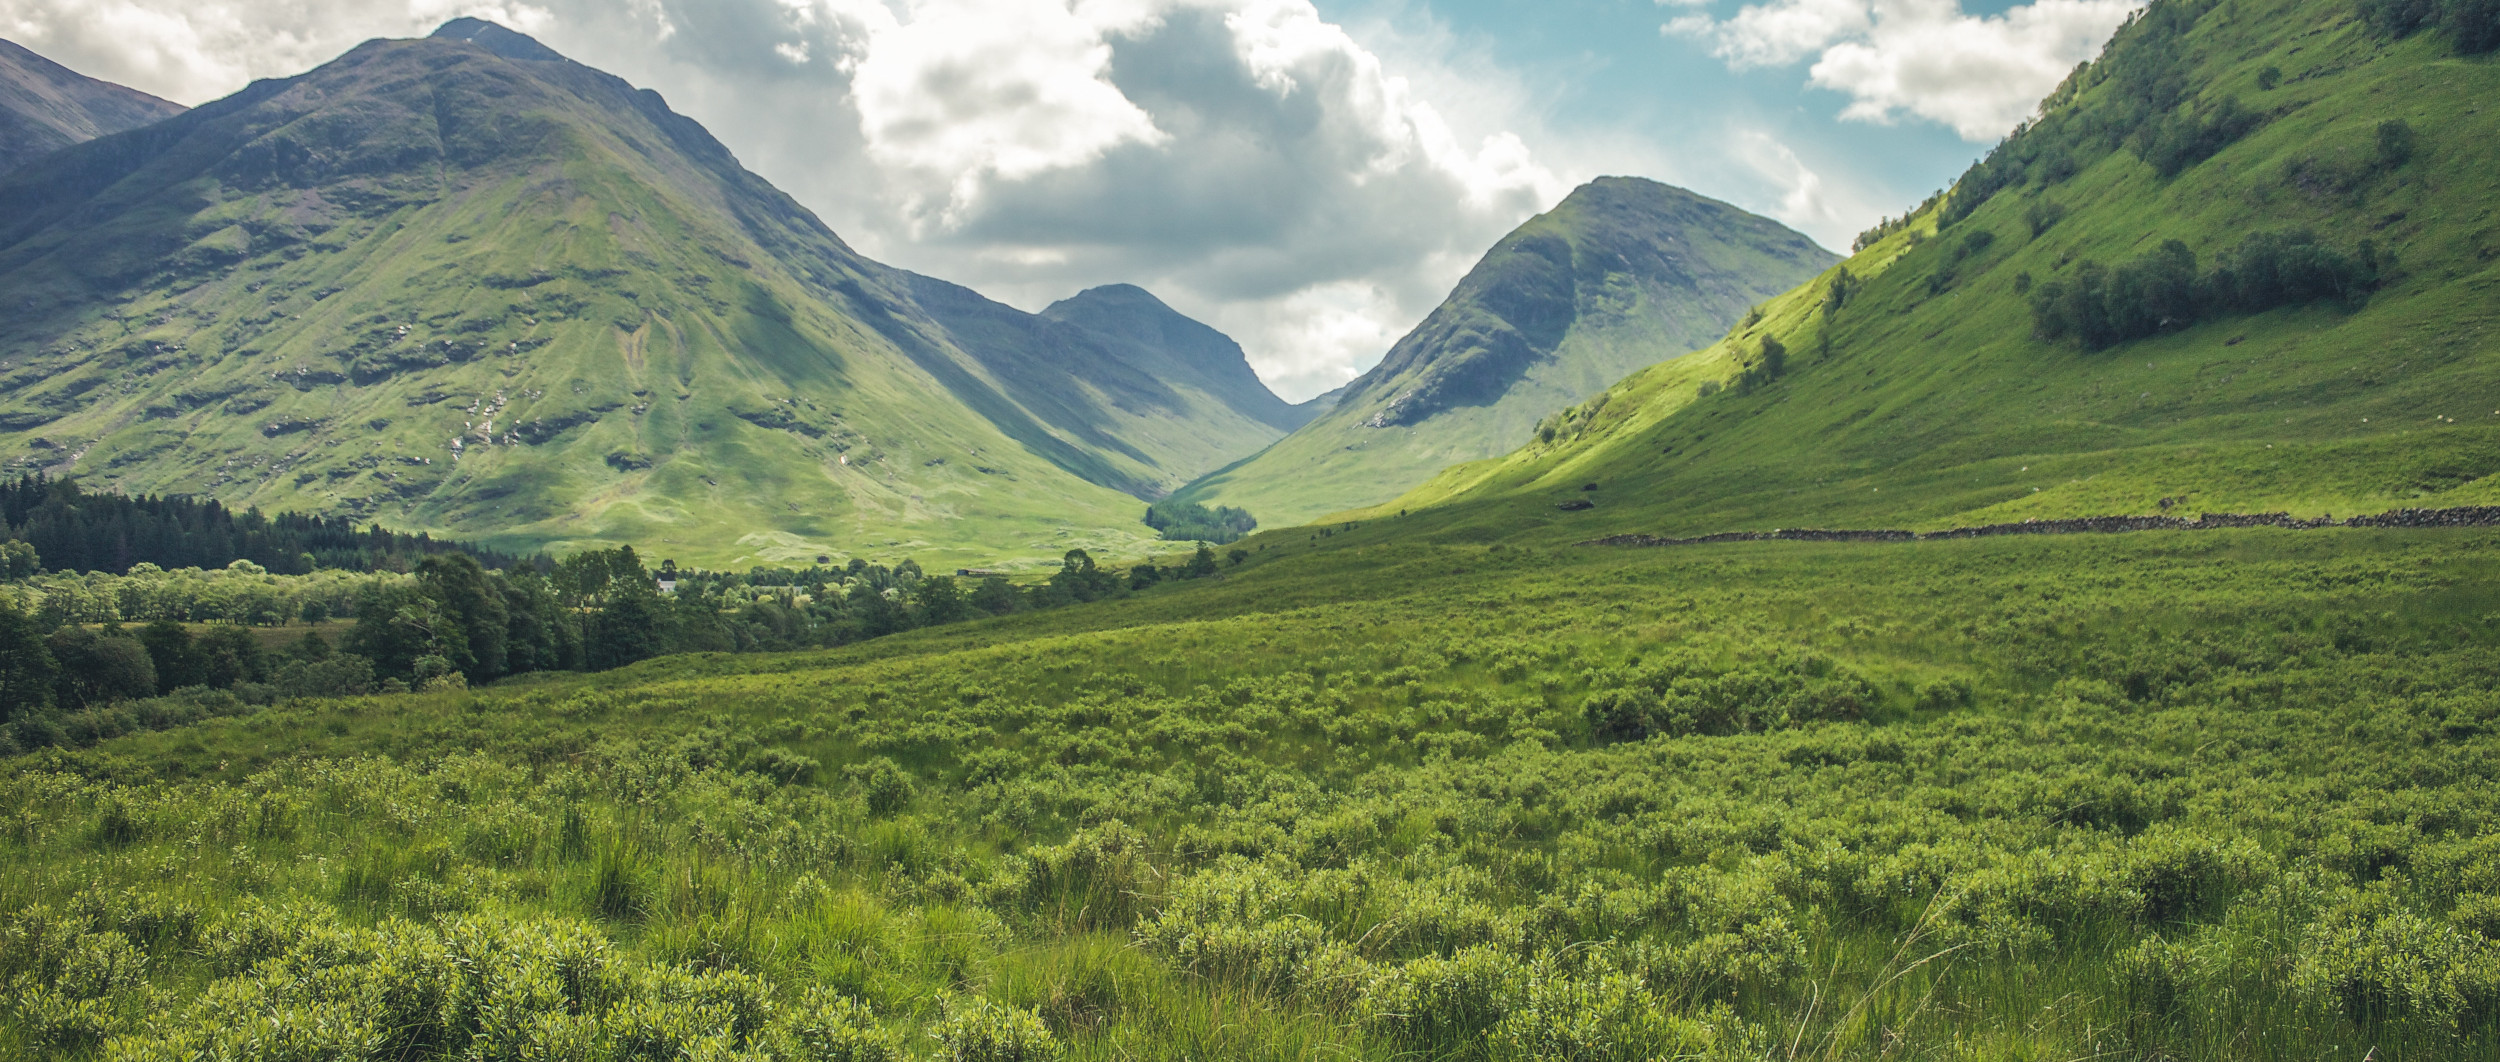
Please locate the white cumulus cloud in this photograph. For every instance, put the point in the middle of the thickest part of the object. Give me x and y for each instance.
(1979, 75)
(195, 51)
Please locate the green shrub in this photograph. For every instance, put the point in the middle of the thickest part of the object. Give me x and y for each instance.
(1235, 923)
(1604, 1016)
(2374, 959)
(1437, 1000)
(978, 1030)
(884, 785)
(829, 1027)
(2474, 25)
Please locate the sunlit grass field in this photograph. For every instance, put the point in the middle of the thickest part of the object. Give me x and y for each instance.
(2212, 795)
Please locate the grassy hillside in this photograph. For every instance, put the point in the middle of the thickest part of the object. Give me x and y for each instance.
(1623, 273)
(45, 107)
(1388, 794)
(472, 287)
(1444, 785)
(1928, 398)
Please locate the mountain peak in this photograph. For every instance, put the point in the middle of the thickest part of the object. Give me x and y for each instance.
(508, 43)
(1169, 344)
(1120, 293)
(1623, 273)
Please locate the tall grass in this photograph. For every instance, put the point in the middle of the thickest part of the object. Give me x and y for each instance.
(2221, 798)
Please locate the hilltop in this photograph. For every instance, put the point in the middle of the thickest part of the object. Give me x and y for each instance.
(463, 284)
(2242, 262)
(45, 107)
(1621, 274)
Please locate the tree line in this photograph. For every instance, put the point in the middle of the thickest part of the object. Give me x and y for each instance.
(2472, 26)
(73, 529)
(2163, 291)
(1181, 521)
(454, 622)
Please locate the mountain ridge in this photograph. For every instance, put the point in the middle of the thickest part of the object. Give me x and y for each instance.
(1622, 273)
(45, 107)
(523, 300)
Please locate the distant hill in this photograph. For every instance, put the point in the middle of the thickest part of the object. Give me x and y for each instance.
(1149, 398)
(45, 107)
(1623, 273)
(2244, 263)
(463, 284)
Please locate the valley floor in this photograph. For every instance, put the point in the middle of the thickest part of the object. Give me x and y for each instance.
(2224, 795)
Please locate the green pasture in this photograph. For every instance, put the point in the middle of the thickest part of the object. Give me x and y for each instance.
(1389, 794)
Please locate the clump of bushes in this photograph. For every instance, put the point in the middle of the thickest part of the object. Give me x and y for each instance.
(2174, 142)
(1685, 695)
(2163, 291)
(2473, 26)
(978, 1030)
(1181, 521)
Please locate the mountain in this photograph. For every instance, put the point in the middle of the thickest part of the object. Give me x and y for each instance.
(1164, 344)
(1623, 273)
(465, 285)
(45, 107)
(2240, 263)
(1150, 398)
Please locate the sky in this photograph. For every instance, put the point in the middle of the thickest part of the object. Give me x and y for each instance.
(1309, 176)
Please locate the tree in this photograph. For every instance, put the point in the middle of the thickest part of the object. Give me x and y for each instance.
(2396, 143)
(1181, 521)
(628, 627)
(27, 671)
(461, 588)
(1080, 579)
(2154, 293)
(531, 616)
(997, 596)
(18, 560)
(941, 601)
(582, 577)
(396, 625)
(1201, 564)
(2472, 25)
(177, 659)
(1844, 286)
(2043, 215)
(97, 669)
(1772, 365)
(229, 656)
(877, 613)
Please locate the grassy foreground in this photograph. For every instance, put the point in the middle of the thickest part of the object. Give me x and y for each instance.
(2214, 796)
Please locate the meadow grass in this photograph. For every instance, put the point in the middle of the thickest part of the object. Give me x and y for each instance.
(2210, 795)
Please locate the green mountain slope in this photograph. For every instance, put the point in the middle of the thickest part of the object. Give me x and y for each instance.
(1133, 394)
(1623, 273)
(463, 284)
(45, 107)
(1163, 343)
(1929, 398)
